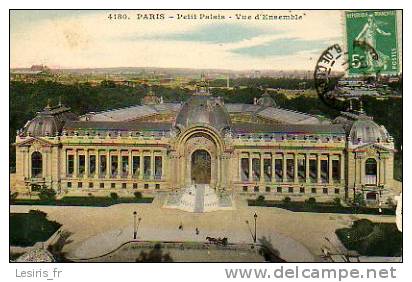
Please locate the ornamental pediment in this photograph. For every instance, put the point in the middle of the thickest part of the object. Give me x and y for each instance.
(34, 141)
(372, 148)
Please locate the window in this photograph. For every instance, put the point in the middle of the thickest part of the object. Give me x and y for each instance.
(70, 165)
(313, 173)
(124, 185)
(69, 185)
(325, 190)
(335, 170)
(157, 186)
(256, 189)
(125, 166)
(267, 189)
(136, 165)
(82, 165)
(134, 185)
(290, 169)
(90, 184)
(267, 169)
(36, 164)
(370, 171)
(313, 190)
(324, 171)
(102, 185)
(103, 165)
(337, 191)
(80, 185)
(279, 169)
(256, 169)
(92, 164)
(290, 189)
(244, 188)
(302, 190)
(114, 165)
(146, 186)
(146, 167)
(158, 167)
(245, 169)
(113, 185)
(279, 189)
(301, 170)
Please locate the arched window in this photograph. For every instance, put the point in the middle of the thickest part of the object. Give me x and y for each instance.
(36, 164)
(370, 171)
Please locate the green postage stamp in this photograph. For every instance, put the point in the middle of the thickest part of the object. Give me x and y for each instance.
(372, 42)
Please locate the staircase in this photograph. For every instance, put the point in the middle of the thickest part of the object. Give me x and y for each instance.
(200, 198)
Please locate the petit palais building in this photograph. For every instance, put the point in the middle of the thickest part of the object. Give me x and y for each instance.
(245, 150)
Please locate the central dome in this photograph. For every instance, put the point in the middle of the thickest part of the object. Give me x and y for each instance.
(203, 110)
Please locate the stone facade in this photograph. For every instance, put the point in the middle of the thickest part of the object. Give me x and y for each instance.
(251, 150)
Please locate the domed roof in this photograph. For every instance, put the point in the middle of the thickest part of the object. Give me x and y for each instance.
(266, 100)
(203, 110)
(49, 121)
(367, 131)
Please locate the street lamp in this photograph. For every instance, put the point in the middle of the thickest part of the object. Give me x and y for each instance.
(135, 225)
(255, 217)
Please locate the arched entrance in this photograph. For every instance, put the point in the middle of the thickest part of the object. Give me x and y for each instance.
(201, 167)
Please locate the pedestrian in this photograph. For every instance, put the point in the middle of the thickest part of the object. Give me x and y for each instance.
(197, 231)
(181, 226)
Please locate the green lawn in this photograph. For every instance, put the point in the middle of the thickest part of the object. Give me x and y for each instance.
(372, 239)
(91, 201)
(318, 207)
(29, 228)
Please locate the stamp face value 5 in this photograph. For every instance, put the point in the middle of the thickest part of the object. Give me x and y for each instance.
(372, 42)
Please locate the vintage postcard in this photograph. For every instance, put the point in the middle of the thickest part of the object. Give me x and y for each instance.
(206, 136)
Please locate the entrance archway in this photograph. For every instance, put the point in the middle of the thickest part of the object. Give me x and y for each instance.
(201, 167)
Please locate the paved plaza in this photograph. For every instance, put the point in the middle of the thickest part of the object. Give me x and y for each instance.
(297, 236)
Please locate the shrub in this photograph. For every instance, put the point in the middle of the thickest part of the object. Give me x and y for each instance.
(311, 201)
(358, 200)
(137, 195)
(13, 196)
(260, 199)
(90, 194)
(47, 194)
(287, 200)
(337, 202)
(114, 196)
(38, 212)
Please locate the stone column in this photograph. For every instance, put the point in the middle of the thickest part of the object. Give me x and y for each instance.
(76, 166)
(318, 168)
(129, 164)
(119, 163)
(284, 168)
(330, 169)
(342, 168)
(97, 170)
(86, 163)
(295, 168)
(307, 178)
(152, 166)
(362, 170)
(240, 167)
(108, 164)
(262, 170)
(250, 167)
(141, 165)
(273, 168)
(64, 163)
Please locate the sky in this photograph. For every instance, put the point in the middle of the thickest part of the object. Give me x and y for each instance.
(89, 39)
